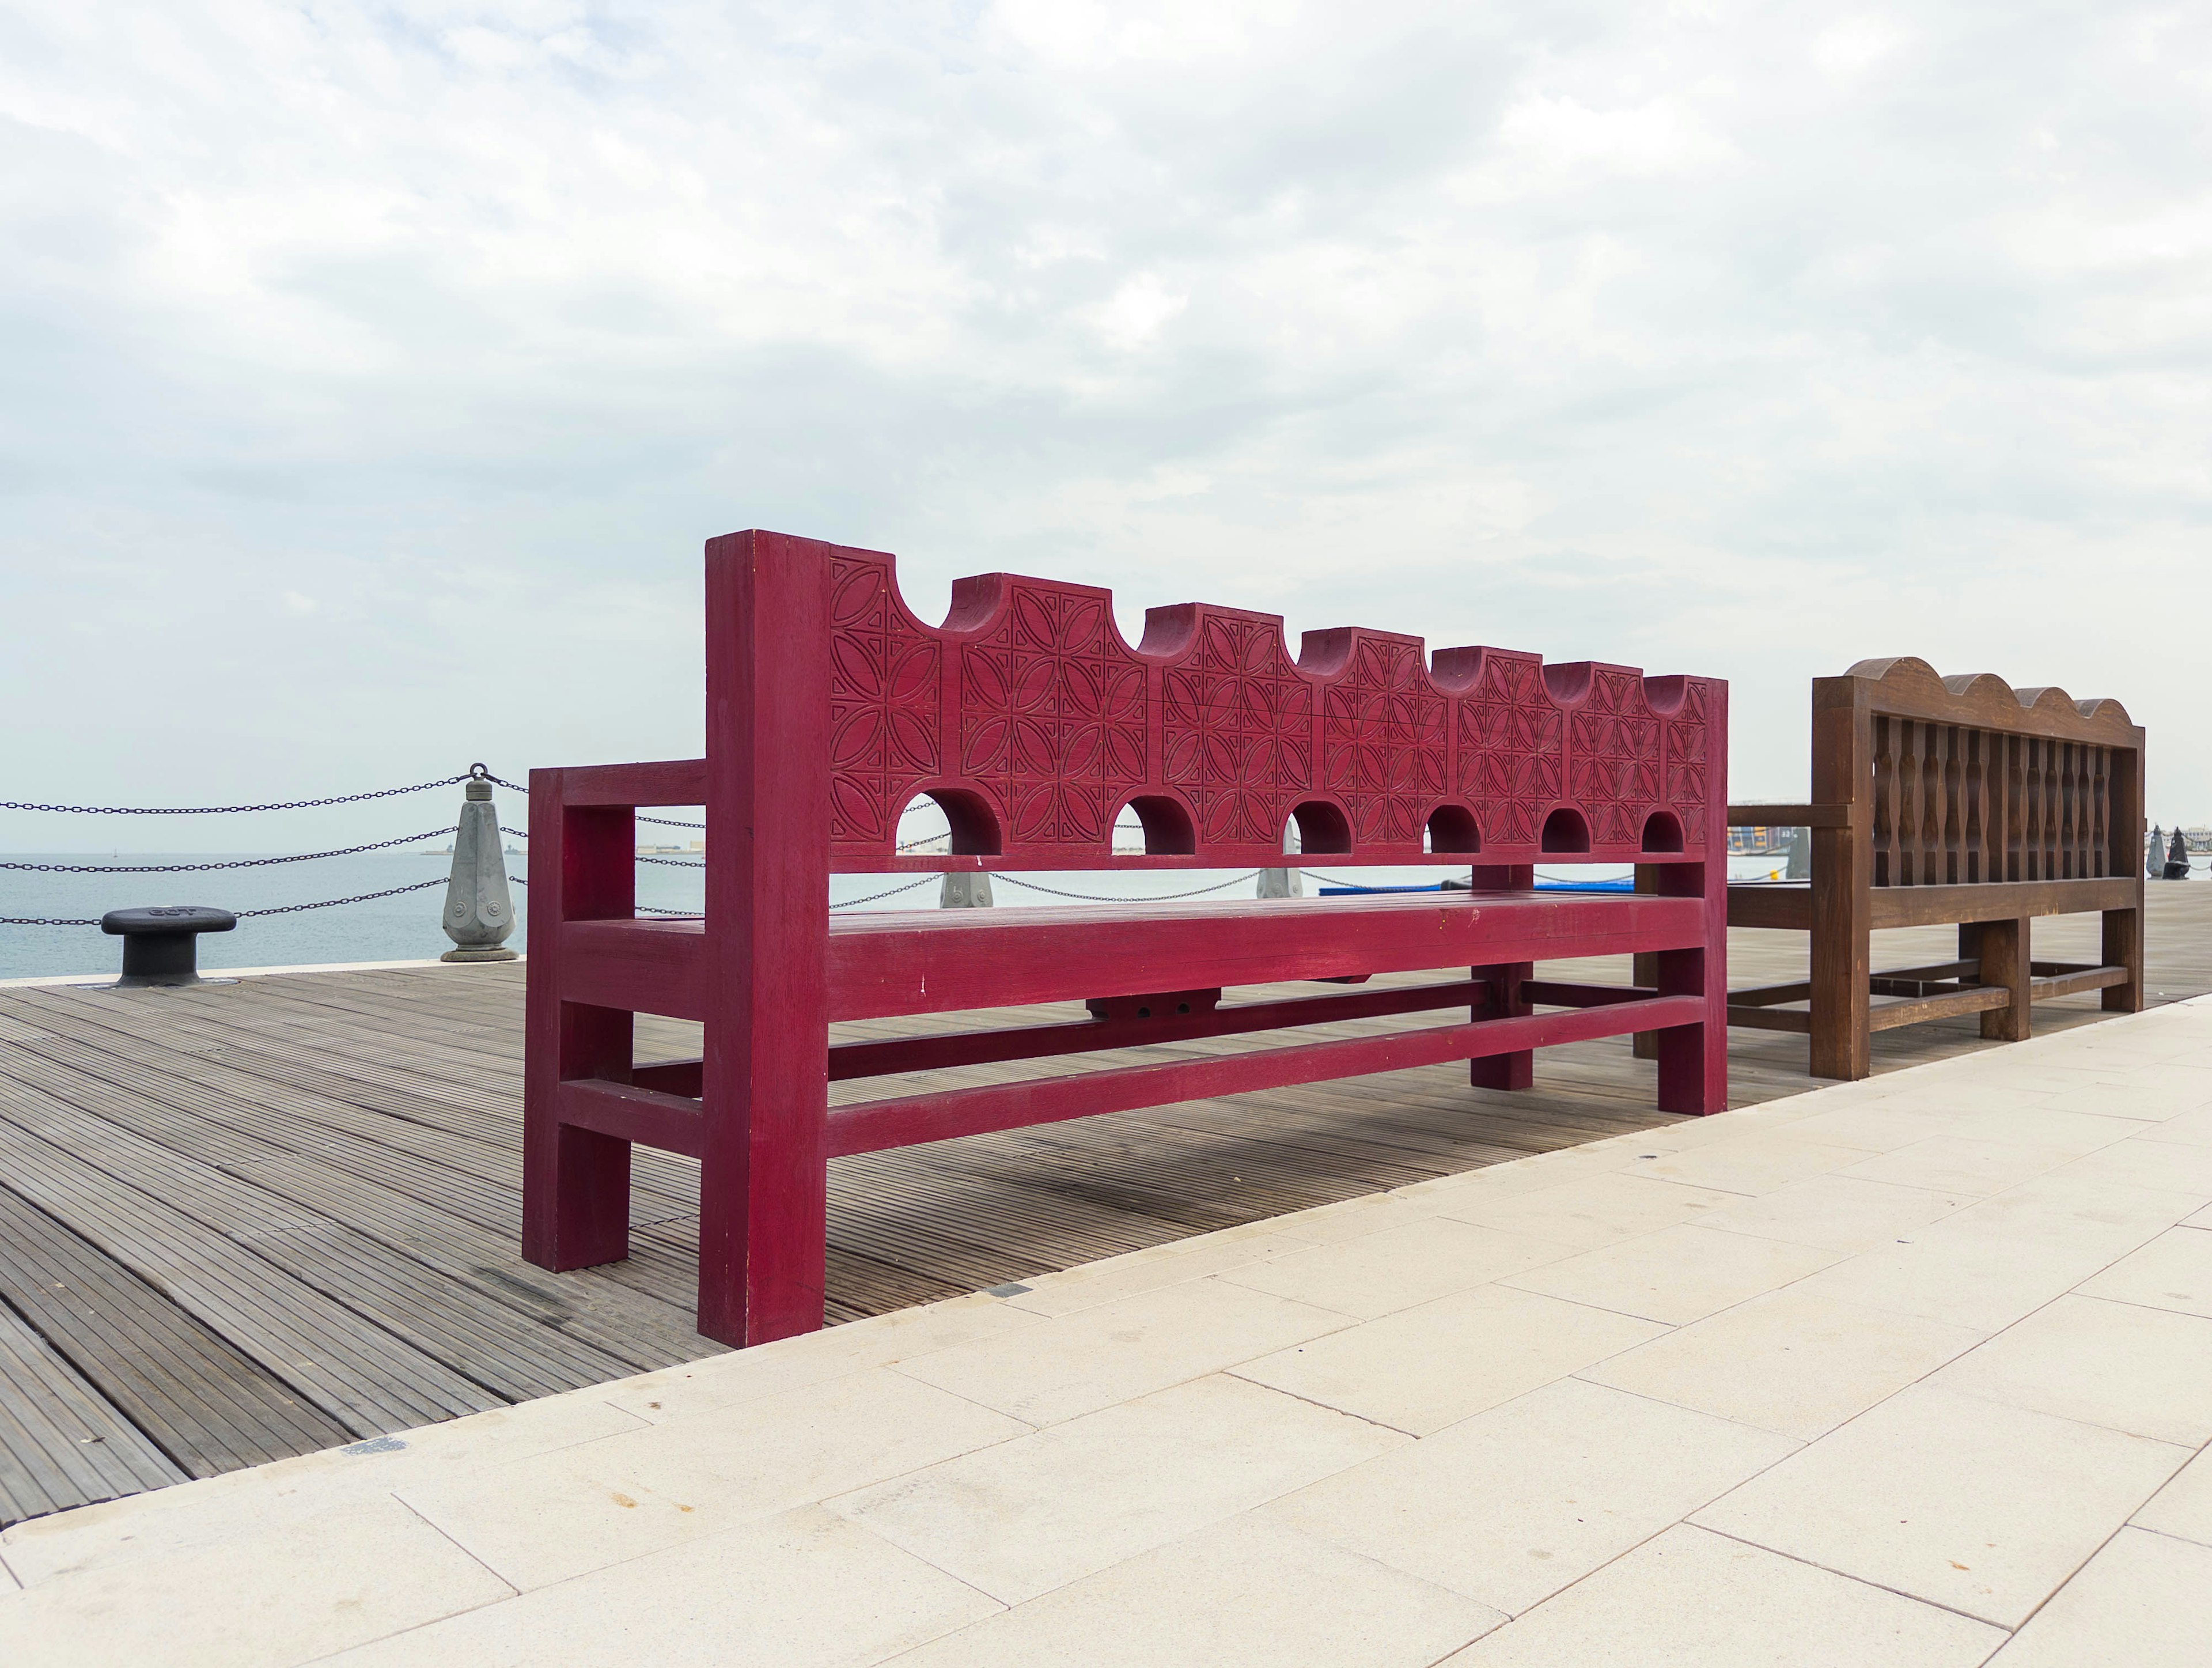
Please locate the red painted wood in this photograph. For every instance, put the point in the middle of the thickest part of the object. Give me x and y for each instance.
(679, 1077)
(1162, 1024)
(763, 1185)
(662, 782)
(949, 960)
(575, 1181)
(672, 1123)
(649, 967)
(873, 1126)
(1693, 1058)
(1032, 723)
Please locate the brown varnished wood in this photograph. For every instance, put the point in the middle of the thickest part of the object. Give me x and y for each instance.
(1952, 800)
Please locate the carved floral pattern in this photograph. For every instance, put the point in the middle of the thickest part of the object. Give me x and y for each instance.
(1237, 730)
(1615, 775)
(1382, 740)
(1052, 715)
(883, 704)
(1054, 723)
(1511, 758)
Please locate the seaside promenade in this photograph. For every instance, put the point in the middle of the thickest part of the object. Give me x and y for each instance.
(1855, 1374)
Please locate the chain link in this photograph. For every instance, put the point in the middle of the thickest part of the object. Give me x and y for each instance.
(203, 868)
(231, 810)
(873, 896)
(333, 903)
(41, 921)
(1156, 898)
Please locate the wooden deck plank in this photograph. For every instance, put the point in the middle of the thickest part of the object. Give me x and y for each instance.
(504, 1347)
(62, 1443)
(205, 1404)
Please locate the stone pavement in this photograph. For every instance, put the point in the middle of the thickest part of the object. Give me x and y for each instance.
(1913, 1371)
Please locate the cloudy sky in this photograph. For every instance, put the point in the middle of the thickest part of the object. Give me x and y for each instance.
(373, 373)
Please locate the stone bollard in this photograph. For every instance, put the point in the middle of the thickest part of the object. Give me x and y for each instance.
(2155, 853)
(1800, 866)
(479, 913)
(2177, 856)
(1283, 882)
(967, 891)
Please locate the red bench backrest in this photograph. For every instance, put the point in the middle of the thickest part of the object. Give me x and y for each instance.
(1033, 723)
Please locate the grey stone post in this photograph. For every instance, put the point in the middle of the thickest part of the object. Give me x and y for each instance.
(479, 913)
(1800, 866)
(1283, 882)
(2155, 853)
(967, 891)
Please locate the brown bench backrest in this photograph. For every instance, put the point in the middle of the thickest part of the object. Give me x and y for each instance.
(1973, 781)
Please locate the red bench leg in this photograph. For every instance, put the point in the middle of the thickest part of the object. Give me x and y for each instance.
(1517, 1070)
(1504, 1071)
(764, 1208)
(576, 1183)
(1693, 1059)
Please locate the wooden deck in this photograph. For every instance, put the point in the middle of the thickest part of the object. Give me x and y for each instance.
(253, 1220)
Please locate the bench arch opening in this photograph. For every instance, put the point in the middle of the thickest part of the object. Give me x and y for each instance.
(1453, 828)
(1170, 830)
(1662, 831)
(1322, 827)
(1566, 830)
(974, 825)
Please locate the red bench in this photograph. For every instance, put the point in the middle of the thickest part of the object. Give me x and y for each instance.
(1032, 724)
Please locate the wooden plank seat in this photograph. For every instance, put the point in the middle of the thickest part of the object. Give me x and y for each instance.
(1033, 724)
(1950, 802)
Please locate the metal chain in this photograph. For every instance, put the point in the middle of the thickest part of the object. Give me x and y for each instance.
(332, 902)
(1156, 898)
(230, 810)
(893, 892)
(41, 921)
(669, 822)
(203, 868)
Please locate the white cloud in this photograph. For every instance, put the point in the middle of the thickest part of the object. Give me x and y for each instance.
(1689, 336)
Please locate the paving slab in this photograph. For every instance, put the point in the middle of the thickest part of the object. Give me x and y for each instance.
(1788, 1362)
(1983, 1508)
(1690, 1599)
(1247, 1593)
(1426, 1367)
(2145, 1370)
(804, 1589)
(1568, 1476)
(2144, 1601)
(1678, 1274)
(1026, 1517)
(2183, 1506)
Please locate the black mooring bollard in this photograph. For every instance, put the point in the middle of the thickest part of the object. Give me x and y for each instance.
(158, 946)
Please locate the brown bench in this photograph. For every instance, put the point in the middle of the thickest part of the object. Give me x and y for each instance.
(1942, 801)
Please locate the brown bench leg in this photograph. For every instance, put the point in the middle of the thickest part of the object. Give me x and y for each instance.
(2002, 947)
(2124, 947)
(1842, 955)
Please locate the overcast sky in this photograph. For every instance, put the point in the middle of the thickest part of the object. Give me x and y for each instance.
(372, 374)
